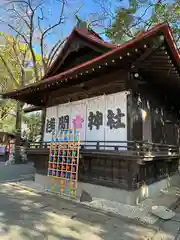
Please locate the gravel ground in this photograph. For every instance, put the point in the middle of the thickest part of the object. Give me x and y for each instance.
(132, 212)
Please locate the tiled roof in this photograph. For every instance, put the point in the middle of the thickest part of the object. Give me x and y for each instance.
(115, 52)
(163, 28)
(87, 35)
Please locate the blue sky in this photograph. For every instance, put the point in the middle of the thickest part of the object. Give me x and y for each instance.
(51, 10)
(87, 8)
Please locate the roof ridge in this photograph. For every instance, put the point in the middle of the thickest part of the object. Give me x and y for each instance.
(96, 39)
(89, 30)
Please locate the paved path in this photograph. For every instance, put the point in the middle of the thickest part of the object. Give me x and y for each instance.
(170, 230)
(27, 215)
(16, 171)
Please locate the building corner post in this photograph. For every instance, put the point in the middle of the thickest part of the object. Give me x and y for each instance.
(43, 120)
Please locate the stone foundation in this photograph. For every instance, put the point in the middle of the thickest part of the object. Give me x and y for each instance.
(119, 195)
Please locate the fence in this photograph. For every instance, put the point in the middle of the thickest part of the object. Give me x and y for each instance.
(117, 164)
(135, 148)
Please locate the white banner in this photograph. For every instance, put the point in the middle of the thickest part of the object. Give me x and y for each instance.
(101, 118)
(51, 123)
(64, 116)
(95, 119)
(116, 118)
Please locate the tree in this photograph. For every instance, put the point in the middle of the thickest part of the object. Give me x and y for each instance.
(168, 12)
(28, 30)
(32, 128)
(123, 23)
(14, 56)
(121, 29)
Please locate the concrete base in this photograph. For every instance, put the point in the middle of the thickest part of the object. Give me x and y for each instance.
(113, 194)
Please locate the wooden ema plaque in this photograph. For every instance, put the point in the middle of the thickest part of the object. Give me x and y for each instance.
(63, 162)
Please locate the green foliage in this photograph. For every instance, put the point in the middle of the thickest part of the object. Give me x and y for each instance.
(15, 68)
(168, 12)
(15, 58)
(32, 121)
(119, 30)
(8, 125)
(127, 22)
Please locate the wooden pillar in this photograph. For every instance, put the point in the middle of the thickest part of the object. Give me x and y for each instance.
(18, 132)
(146, 123)
(129, 116)
(43, 122)
(129, 109)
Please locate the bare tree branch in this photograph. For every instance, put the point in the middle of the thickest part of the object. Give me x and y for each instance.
(22, 61)
(47, 30)
(28, 17)
(42, 39)
(30, 45)
(97, 22)
(31, 32)
(30, 25)
(19, 16)
(54, 50)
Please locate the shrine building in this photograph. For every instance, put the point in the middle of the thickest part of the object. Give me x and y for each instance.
(125, 102)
